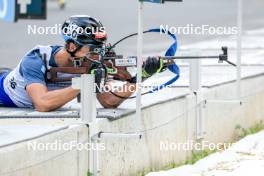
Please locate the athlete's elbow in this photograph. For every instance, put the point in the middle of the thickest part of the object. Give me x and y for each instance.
(109, 101)
(109, 105)
(44, 107)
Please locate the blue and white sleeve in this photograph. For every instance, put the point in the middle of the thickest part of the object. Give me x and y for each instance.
(32, 69)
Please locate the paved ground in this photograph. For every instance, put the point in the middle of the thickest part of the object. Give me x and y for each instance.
(120, 18)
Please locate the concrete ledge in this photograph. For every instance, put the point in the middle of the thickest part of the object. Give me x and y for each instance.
(20, 159)
(14, 134)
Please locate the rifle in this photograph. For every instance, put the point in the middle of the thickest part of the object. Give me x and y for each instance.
(116, 65)
(105, 64)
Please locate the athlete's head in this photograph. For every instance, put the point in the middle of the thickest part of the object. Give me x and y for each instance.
(83, 34)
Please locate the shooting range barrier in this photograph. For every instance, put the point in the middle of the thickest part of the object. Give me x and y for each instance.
(167, 116)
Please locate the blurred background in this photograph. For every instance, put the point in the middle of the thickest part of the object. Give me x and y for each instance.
(120, 19)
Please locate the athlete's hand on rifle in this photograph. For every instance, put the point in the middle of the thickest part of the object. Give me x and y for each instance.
(151, 66)
(110, 53)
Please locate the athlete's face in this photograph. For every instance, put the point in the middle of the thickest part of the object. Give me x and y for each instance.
(84, 51)
(89, 52)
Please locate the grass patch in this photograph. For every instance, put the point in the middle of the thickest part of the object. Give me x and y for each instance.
(242, 132)
(89, 173)
(145, 172)
(198, 155)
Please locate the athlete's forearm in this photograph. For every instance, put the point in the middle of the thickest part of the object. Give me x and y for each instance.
(57, 98)
(109, 100)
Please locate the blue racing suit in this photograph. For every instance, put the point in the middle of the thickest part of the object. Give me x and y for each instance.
(31, 69)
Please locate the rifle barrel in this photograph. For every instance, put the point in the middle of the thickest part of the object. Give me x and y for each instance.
(189, 57)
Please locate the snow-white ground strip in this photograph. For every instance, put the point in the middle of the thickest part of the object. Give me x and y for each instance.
(243, 158)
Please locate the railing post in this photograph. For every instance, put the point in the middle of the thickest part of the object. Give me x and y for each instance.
(195, 87)
(139, 63)
(239, 46)
(86, 85)
(88, 97)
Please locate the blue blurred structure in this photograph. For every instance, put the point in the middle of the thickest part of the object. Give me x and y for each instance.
(12, 10)
(7, 10)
